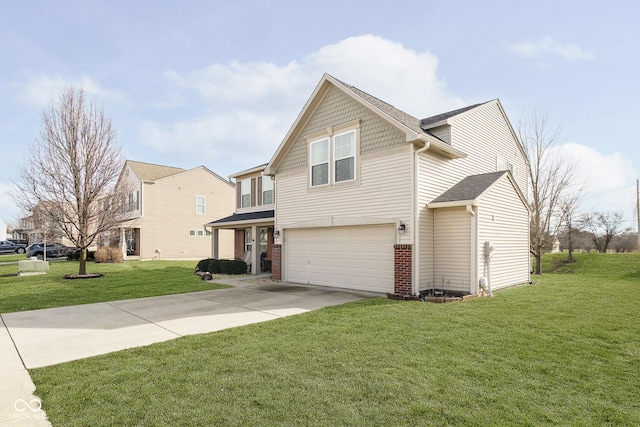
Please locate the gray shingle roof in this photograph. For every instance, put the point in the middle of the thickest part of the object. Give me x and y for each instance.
(470, 188)
(424, 123)
(241, 217)
(151, 172)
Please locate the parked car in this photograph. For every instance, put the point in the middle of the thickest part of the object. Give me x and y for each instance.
(54, 250)
(7, 247)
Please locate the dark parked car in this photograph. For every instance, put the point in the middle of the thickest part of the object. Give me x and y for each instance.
(54, 250)
(7, 247)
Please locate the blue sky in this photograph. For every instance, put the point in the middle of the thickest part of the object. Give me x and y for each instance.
(219, 83)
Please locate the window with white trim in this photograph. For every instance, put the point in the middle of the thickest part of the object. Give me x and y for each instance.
(245, 192)
(200, 204)
(267, 190)
(320, 162)
(332, 159)
(502, 165)
(192, 233)
(344, 148)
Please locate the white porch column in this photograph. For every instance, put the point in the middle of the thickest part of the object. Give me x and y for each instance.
(255, 246)
(215, 243)
(123, 243)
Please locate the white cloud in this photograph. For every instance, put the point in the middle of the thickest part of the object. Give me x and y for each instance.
(40, 89)
(249, 106)
(607, 180)
(9, 212)
(548, 46)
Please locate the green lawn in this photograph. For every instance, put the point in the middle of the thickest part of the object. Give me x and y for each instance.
(565, 351)
(134, 279)
(12, 257)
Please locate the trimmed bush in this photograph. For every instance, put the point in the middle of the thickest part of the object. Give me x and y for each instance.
(203, 265)
(75, 255)
(222, 266)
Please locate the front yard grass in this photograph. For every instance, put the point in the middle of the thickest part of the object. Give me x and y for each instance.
(565, 351)
(136, 279)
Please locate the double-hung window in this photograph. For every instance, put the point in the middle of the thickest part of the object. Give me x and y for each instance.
(267, 190)
(333, 159)
(344, 158)
(200, 204)
(245, 188)
(320, 162)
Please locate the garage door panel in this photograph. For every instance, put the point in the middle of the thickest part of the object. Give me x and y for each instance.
(348, 257)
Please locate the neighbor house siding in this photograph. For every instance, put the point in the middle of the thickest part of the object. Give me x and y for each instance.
(442, 132)
(170, 212)
(503, 219)
(452, 250)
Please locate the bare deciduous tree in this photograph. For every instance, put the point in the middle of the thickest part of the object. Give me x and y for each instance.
(568, 212)
(70, 177)
(550, 176)
(602, 227)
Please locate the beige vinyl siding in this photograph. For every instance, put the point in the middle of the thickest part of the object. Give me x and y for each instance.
(452, 250)
(483, 134)
(442, 132)
(503, 220)
(170, 212)
(382, 192)
(336, 109)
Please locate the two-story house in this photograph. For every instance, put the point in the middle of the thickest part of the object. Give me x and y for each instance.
(167, 208)
(372, 198)
(252, 221)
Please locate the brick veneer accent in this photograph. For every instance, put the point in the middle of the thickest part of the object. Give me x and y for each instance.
(276, 262)
(402, 261)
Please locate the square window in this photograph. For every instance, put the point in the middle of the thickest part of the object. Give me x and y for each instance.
(200, 233)
(192, 233)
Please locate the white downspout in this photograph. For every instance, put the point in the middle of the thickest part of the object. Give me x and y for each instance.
(415, 286)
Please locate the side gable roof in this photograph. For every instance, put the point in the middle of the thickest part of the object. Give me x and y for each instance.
(430, 121)
(471, 188)
(404, 122)
(152, 172)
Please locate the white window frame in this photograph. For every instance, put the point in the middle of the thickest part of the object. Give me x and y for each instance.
(326, 141)
(202, 206)
(192, 232)
(245, 184)
(199, 232)
(330, 137)
(267, 186)
(336, 158)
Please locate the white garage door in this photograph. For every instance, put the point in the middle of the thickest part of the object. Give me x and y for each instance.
(346, 257)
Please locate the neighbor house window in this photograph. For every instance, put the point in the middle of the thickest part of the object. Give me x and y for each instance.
(200, 204)
(245, 191)
(267, 190)
(200, 233)
(192, 233)
(344, 147)
(320, 162)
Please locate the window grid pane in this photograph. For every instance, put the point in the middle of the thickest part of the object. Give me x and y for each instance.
(320, 174)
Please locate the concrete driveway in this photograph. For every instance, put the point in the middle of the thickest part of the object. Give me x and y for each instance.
(33, 339)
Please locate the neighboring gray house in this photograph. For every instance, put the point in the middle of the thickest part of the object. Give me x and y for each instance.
(372, 198)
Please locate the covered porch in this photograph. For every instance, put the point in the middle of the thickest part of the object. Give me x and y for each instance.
(253, 241)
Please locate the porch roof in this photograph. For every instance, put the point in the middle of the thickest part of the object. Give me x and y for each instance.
(240, 219)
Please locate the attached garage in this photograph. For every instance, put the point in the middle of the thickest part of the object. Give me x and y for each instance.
(358, 257)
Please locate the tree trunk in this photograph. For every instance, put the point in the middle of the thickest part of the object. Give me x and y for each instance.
(538, 271)
(570, 258)
(83, 262)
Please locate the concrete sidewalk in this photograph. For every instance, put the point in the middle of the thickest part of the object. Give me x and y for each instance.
(38, 338)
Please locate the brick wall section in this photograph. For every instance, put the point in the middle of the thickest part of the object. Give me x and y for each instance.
(238, 247)
(402, 269)
(276, 262)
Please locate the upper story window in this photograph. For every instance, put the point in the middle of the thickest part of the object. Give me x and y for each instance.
(333, 160)
(267, 190)
(200, 204)
(344, 147)
(245, 192)
(320, 162)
